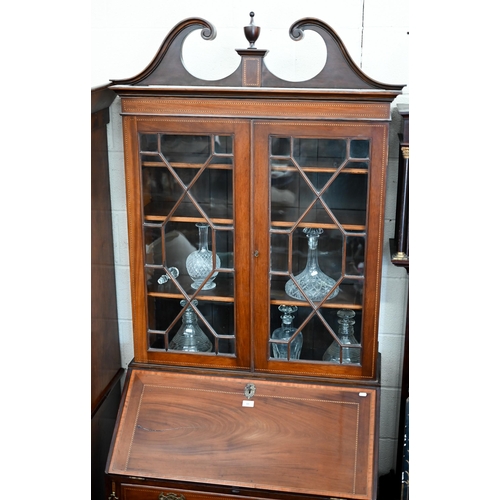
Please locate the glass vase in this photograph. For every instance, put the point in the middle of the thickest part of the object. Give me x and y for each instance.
(199, 263)
(284, 333)
(190, 337)
(313, 281)
(350, 355)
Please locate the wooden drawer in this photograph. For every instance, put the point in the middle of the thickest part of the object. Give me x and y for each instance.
(296, 438)
(138, 492)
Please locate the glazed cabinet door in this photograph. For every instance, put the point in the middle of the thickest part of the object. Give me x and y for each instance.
(318, 207)
(187, 191)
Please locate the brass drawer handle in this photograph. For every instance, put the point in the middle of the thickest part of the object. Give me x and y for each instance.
(171, 496)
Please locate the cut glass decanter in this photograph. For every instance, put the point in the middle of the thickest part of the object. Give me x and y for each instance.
(190, 337)
(284, 333)
(199, 263)
(312, 280)
(350, 355)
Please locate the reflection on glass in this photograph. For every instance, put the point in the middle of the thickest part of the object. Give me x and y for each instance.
(177, 248)
(280, 146)
(349, 355)
(347, 192)
(173, 165)
(312, 280)
(199, 264)
(360, 148)
(319, 152)
(215, 319)
(313, 178)
(186, 148)
(190, 337)
(284, 333)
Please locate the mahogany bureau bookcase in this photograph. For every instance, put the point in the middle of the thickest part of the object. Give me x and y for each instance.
(255, 213)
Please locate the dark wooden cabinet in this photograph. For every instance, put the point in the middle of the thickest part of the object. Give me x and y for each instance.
(400, 257)
(255, 213)
(105, 347)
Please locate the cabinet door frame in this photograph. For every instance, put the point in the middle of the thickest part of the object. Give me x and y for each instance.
(240, 130)
(377, 132)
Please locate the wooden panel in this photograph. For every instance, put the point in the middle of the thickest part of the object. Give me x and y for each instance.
(339, 71)
(135, 492)
(257, 108)
(301, 438)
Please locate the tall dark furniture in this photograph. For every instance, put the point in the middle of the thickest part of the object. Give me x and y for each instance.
(105, 348)
(400, 256)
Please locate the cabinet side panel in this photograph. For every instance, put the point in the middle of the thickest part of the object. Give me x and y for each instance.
(375, 243)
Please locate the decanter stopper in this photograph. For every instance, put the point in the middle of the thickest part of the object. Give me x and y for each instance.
(252, 32)
(165, 277)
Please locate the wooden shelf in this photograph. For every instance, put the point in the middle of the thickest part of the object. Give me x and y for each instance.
(197, 166)
(223, 291)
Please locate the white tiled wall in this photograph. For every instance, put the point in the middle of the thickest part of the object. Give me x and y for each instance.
(126, 35)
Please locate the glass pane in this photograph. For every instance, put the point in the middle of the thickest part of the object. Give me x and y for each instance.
(212, 193)
(154, 248)
(149, 143)
(190, 149)
(316, 331)
(186, 254)
(318, 217)
(279, 252)
(223, 145)
(290, 193)
(160, 189)
(195, 326)
(345, 347)
(191, 175)
(355, 254)
(280, 146)
(314, 269)
(286, 339)
(319, 152)
(360, 148)
(347, 192)
(189, 242)
(327, 334)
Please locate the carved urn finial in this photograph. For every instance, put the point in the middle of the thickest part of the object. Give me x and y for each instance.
(252, 32)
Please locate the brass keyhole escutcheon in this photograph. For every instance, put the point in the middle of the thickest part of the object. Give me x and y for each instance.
(250, 390)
